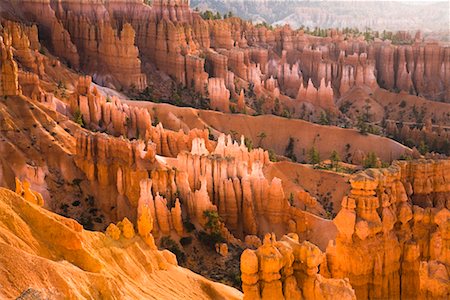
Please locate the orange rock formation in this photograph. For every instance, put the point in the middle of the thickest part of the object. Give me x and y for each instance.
(388, 227)
(99, 159)
(110, 265)
(288, 269)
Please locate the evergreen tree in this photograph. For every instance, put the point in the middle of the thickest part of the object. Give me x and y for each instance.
(370, 161)
(335, 159)
(314, 156)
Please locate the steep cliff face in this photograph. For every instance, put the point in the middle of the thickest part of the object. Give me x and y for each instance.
(116, 167)
(419, 68)
(389, 227)
(109, 40)
(247, 201)
(88, 41)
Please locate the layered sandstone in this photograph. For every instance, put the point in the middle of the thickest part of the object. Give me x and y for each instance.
(388, 227)
(105, 265)
(191, 50)
(232, 179)
(23, 189)
(288, 269)
(10, 73)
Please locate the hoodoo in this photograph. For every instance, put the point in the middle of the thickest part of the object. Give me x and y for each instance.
(169, 149)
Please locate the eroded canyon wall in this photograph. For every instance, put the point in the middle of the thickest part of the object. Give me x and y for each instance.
(219, 57)
(393, 231)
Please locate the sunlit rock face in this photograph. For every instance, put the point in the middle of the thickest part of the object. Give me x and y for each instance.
(142, 171)
(288, 269)
(112, 264)
(388, 228)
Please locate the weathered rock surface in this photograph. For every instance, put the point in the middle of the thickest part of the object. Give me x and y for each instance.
(44, 250)
(288, 269)
(388, 227)
(10, 73)
(108, 40)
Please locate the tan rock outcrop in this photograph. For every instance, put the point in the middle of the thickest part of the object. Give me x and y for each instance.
(10, 73)
(322, 97)
(155, 214)
(287, 269)
(24, 190)
(218, 94)
(113, 231)
(386, 228)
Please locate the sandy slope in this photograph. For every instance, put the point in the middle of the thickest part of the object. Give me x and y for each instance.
(53, 254)
(278, 130)
(326, 186)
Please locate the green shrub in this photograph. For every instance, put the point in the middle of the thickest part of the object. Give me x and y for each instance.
(210, 239)
(248, 143)
(314, 156)
(370, 161)
(272, 156)
(289, 151)
(212, 235)
(335, 159)
(188, 226)
(423, 147)
(78, 118)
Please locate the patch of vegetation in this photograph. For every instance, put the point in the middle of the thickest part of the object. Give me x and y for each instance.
(370, 161)
(264, 24)
(423, 147)
(78, 118)
(248, 143)
(289, 151)
(212, 235)
(209, 15)
(272, 156)
(210, 239)
(335, 159)
(188, 226)
(324, 120)
(261, 137)
(314, 156)
(76, 203)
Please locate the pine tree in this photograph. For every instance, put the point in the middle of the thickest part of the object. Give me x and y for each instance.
(314, 156)
(335, 159)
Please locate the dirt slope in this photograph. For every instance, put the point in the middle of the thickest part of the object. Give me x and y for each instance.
(277, 130)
